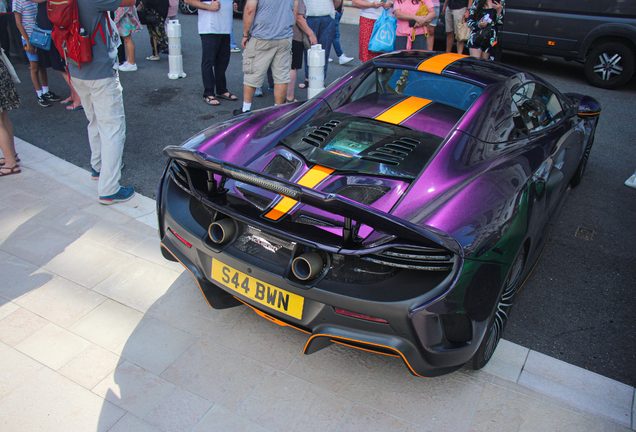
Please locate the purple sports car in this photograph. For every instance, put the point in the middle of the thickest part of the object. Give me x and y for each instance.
(397, 212)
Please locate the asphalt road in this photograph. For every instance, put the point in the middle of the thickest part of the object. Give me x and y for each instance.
(579, 303)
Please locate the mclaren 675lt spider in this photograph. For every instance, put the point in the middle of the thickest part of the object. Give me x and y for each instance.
(399, 211)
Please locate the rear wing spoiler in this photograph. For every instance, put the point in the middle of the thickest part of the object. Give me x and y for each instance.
(350, 210)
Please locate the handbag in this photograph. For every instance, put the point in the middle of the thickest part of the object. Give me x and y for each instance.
(147, 17)
(462, 31)
(7, 63)
(482, 36)
(40, 38)
(383, 36)
(422, 11)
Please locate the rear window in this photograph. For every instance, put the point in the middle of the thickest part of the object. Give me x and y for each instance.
(438, 88)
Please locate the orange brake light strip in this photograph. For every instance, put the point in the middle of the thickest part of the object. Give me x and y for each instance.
(403, 110)
(312, 178)
(439, 62)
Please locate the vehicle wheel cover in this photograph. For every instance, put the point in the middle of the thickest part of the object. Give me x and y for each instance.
(608, 66)
(504, 305)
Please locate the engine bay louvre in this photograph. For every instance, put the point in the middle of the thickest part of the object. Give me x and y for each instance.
(348, 143)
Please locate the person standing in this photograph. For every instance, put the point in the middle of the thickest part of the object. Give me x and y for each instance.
(215, 26)
(267, 40)
(25, 13)
(127, 23)
(157, 30)
(431, 27)
(454, 12)
(97, 83)
(486, 16)
(298, 48)
(9, 99)
(320, 18)
(410, 24)
(342, 58)
(371, 11)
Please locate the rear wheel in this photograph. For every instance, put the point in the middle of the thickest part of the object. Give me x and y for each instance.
(609, 65)
(498, 320)
(578, 174)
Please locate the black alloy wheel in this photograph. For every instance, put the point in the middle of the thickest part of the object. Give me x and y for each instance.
(500, 317)
(609, 65)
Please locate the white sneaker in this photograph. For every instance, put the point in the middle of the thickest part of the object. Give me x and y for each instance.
(330, 59)
(235, 50)
(343, 59)
(258, 92)
(127, 67)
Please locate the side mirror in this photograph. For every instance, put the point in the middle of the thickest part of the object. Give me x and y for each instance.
(589, 107)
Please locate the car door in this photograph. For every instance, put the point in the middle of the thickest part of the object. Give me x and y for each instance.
(541, 114)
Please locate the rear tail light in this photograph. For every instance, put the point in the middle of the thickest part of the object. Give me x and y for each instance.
(180, 238)
(360, 316)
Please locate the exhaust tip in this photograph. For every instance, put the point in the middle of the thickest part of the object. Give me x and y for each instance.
(222, 231)
(308, 266)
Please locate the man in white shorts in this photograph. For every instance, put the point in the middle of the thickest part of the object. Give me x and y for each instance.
(454, 12)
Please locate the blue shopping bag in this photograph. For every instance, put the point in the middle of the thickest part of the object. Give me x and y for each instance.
(383, 36)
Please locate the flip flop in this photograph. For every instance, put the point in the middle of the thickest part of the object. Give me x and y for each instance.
(74, 108)
(229, 96)
(291, 100)
(153, 58)
(67, 101)
(12, 170)
(211, 100)
(304, 85)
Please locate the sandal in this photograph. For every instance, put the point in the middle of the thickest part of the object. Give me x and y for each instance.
(304, 85)
(227, 96)
(67, 101)
(74, 107)
(291, 100)
(211, 100)
(2, 160)
(11, 170)
(153, 58)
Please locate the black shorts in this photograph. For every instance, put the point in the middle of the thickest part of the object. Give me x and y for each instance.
(51, 58)
(297, 55)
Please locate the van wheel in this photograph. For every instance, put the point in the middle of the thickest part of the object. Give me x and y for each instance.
(609, 65)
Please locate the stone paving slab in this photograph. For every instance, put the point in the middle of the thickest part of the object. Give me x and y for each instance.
(99, 333)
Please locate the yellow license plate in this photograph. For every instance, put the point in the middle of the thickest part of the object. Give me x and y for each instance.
(275, 298)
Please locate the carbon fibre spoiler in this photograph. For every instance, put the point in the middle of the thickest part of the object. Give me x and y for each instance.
(333, 203)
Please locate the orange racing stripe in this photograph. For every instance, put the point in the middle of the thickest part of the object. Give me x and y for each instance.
(439, 62)
(403, 110)
(312, 178)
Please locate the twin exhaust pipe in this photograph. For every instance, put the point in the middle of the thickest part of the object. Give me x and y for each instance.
(305, 267)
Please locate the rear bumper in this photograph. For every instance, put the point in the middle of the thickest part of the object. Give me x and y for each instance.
(414, 331)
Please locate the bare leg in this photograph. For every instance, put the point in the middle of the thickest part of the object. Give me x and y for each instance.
(430, 41)
(154, 44)
(474, 52)
(460, 47)
(74, 97)
(291, 85)
(279, 93)
(6, 140)
(35, 77)
(248, 93)
(450, 40)
(44, 78)
(130, 48)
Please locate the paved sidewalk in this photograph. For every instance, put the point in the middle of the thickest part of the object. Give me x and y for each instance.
(98, 332)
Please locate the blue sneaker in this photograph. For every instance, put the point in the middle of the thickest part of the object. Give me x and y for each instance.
(94, 174)
(124, 194)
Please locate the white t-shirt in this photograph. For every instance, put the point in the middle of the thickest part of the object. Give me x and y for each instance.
(217, 22)
(374, 13)
(318, 8)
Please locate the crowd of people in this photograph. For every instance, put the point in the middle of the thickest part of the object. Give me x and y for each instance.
(275, 39)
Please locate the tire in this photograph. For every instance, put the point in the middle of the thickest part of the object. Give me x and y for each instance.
(500, 317)
(185, 8)
(580, 170)
(609, 65)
